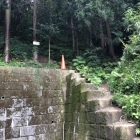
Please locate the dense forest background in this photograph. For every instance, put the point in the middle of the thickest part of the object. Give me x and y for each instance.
(99, 38)
(66, 27)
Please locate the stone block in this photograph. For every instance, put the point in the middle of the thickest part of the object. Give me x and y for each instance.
(87, 87)
(10, 77)
(82, 128)
(54, 75)
(46, 136)
(56, 85)
(101, 132)
(13, 132)
(42, 129)
(11, 86)
(14, 103)
(55, 92)
(27, 131)
(45, 93)
(45, 119)
(30, 102)
(59, 135)
(136, 138)
(2, 114)
(68, 126)
(34, 120)
(68, 100)
(1, 77)
(53, 127)
(76, 136)
(46, 86)
(8, 123)
(16, 122)
(52, 118)
(57, 101)
(2, 124)
(53, 109)
(83, 97)
(2, 102)
(108, 115)
(52, 136)
(124, 131)
(24, 77)
(82, 117)
(68, 136)
(60, 127)
(92, 130)
(91, 118)
(2, 134)
(42, 102)
(13, 112)
(46, 79)
(39, 137)
(29, 93)
(13, 94)
(91, 106)
(27, 111)
(68, 117)
(36, 110)
(21, 138)
(83, 107)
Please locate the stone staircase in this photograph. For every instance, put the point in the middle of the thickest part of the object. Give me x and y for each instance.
(106, 121)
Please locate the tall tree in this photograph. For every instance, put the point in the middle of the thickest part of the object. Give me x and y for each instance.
(7, 30)
(35, 53)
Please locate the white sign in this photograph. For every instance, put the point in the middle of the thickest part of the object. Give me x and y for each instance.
(36, 43)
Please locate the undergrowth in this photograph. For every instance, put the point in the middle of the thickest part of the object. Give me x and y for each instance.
(29, 63)
(125, 79)
(94, 66)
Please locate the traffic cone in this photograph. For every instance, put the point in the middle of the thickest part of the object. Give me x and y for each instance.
(63, 66)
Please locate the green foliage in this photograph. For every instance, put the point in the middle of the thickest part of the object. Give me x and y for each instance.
(125, 79)
(131, 107)
(94, 66)
(28, 63)
(20, 50)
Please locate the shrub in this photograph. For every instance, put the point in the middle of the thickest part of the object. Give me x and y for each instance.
(125, 79)
(94, 66)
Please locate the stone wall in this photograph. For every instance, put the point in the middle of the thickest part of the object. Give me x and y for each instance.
(41, 104)
(31, 103)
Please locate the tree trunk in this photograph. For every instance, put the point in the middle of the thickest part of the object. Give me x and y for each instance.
(111, 50)
(73, 37)
(90, 37)
(7, 30)
(76, 43)
(102, 38)
(49, 49)
(35, 53)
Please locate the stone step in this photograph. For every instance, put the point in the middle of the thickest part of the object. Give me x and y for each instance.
(115, 131)
(108, 115)
(75, 75)
(99, 103)
(123, 130)
(92, 95)
(136, 138)
(87, 87)
(97, 94)
(78, 81)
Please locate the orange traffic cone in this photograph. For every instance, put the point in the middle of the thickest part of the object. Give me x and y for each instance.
(63, 66)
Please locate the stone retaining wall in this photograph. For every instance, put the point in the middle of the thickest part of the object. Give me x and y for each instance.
(41, 104)
(31, 103)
